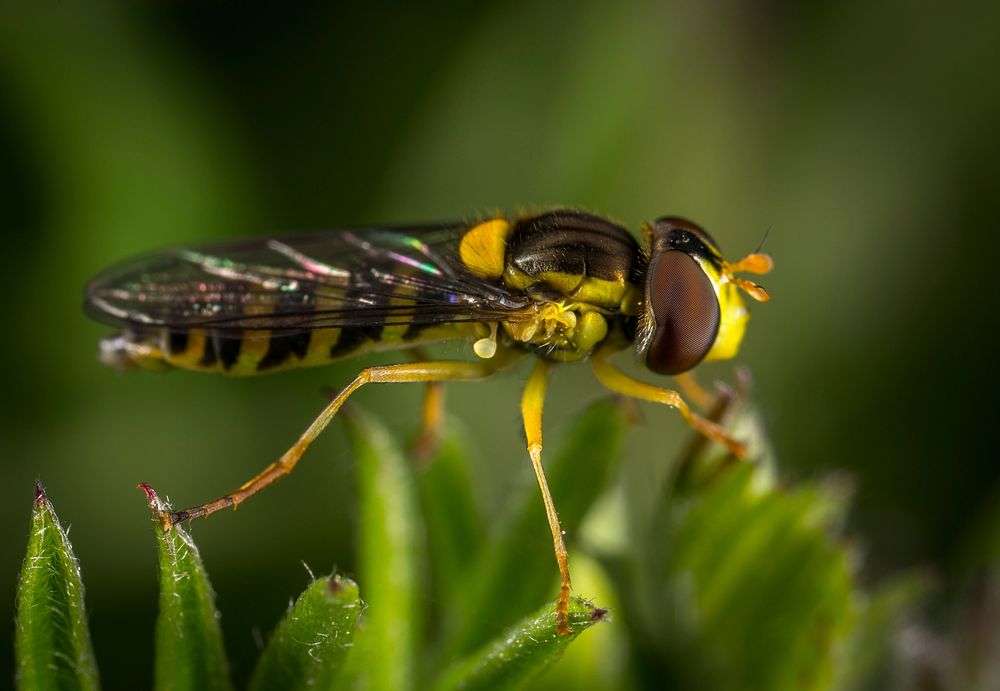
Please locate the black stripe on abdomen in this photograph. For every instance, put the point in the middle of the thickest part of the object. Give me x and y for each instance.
(280, 348)
(353, 337)
(283, 346)
(222, 349)
(177, 342)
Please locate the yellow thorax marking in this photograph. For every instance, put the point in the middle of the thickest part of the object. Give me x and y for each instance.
(598, 292)
(483, 247)
(733, 313)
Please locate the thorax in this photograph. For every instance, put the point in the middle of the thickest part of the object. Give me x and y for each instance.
(580, 272)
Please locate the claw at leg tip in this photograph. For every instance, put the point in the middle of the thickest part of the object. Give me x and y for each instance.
(165, 522)
(171, 518)
(562, 621)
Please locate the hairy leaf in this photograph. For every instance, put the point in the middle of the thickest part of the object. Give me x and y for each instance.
(51, 639)
(522, 652)
(188, 653)
(308, 648)
(746, 583)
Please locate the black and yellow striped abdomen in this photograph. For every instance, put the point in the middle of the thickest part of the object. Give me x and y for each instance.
(264, 352)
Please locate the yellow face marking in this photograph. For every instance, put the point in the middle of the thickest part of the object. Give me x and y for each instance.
(483, 247)
(733, 314)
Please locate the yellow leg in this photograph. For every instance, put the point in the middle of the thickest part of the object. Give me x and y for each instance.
(389, 374)
(696, 393)
(425, 444)
(432, 412)
(532, 403)
(619, 382)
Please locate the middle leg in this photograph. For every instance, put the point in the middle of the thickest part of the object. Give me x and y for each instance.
(425, 444)
(532, 403)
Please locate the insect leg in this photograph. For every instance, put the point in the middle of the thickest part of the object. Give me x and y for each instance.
(388, 374)
(619, 382)
(694, 391)
(431, 414)
(532, 402)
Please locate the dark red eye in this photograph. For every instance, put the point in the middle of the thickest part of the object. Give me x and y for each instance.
(686, 311)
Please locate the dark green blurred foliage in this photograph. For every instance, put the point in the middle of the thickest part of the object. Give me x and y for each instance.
(863, 133)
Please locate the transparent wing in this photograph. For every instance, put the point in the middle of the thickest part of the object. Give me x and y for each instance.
(328, 279)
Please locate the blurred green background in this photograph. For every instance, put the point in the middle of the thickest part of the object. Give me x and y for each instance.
(865, 134)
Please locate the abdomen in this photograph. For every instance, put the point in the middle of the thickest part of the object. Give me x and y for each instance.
(264, 352)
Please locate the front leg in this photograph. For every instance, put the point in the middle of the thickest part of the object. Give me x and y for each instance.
(619, 382)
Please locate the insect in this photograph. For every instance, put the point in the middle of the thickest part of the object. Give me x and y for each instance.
(563, 285)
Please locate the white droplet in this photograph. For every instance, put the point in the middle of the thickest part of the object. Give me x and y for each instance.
(485, 348)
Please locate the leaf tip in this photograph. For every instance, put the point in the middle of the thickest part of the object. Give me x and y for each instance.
(151, 496)
(583, 614)
(159, 507)
(599, 614)
(42, 507)
(341, 587)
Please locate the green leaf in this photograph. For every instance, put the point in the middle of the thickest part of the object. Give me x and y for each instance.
(455, 533)
(765, 576)
(599, 660)
(51, 639)
(522, 652)
(189, 653)
(519, 571)
(747, 584)
(308, 648)
(389, 547)
(865, 661)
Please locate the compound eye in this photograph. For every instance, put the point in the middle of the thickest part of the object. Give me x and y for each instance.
(686, 311)
(678, 232)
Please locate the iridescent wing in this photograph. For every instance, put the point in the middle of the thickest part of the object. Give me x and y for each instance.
(329, 279)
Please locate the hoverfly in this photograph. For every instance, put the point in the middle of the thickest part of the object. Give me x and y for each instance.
(563, 285)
